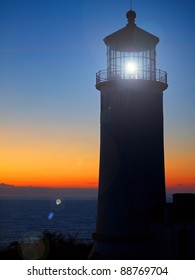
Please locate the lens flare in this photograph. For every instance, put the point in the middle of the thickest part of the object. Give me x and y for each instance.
(50, 216)
(58, 201)
(33, 247)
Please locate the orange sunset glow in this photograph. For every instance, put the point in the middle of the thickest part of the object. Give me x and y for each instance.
(54, 160)
(71, 158)
(180, 161)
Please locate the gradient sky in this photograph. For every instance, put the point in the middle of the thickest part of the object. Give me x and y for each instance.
(50, 51)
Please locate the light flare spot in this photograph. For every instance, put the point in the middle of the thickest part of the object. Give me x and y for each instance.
(50, 216)
(58, 201)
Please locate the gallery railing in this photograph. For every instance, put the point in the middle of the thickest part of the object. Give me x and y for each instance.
(107, 75)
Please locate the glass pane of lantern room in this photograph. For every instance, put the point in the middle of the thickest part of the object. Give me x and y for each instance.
(131, 65)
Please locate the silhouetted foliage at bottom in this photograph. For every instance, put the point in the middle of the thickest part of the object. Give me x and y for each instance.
(50, 246)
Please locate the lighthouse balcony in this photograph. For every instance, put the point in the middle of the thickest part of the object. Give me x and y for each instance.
(107, 75)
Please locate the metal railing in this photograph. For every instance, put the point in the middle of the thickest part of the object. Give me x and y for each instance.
(107, 75)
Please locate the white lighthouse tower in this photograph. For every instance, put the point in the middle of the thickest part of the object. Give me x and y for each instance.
(131, 176)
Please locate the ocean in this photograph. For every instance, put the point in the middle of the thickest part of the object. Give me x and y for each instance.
(28, 218)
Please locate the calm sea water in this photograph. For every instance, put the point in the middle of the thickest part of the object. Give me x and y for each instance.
(20, 218)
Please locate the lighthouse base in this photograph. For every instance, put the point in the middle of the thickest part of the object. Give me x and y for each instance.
(121, 247)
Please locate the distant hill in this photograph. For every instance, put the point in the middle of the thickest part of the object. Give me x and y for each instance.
(6, 185)
(10, 191)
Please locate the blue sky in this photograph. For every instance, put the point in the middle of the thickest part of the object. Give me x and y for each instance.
(50, 51)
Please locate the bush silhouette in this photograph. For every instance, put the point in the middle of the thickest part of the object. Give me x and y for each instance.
(50, 246)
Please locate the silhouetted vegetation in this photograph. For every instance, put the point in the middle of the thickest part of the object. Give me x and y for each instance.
(50, 246)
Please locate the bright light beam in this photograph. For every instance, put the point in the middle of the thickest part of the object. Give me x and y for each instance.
(131, 68)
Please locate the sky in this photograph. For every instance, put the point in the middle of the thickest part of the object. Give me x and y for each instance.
(50, 51)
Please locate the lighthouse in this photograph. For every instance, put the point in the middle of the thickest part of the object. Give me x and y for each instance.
(131, 194)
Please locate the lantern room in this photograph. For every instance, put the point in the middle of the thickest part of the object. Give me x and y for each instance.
(131, 54)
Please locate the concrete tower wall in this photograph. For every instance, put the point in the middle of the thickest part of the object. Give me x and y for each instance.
(132, 181)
